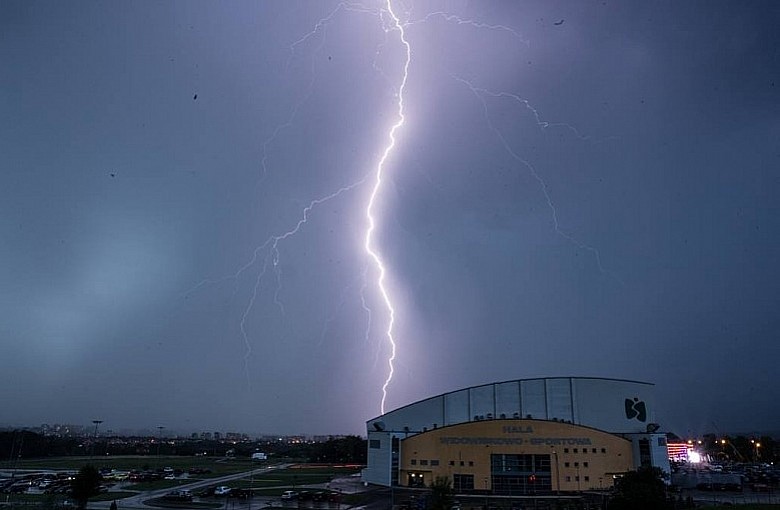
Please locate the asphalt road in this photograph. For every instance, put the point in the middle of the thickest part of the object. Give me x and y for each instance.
(137, 502)
(345, 485)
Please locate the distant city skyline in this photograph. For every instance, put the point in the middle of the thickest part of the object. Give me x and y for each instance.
(152, 432)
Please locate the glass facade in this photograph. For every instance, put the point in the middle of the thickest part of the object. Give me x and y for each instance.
(394, 461)
(456, 407)
(534, 397)
(517, 475)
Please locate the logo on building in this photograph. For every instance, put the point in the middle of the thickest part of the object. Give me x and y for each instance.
(636, 409)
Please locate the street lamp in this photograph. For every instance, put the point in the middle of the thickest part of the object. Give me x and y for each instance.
(94, 440)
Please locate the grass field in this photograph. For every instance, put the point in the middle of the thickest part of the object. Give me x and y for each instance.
(297, 476)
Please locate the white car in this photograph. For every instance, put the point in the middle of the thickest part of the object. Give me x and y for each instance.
(289, 495)
(222, 490)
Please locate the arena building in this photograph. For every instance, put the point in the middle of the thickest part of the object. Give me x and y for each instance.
(521, 437)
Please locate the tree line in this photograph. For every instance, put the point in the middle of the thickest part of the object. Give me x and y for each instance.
(26, 445)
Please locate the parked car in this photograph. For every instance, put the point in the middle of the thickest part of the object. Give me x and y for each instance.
(178, 495)
(222, 490)
(289, 495)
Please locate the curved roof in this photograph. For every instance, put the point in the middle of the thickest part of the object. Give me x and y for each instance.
(615, 405)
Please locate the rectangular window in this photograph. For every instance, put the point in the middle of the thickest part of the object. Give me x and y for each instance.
(575, 450)
(577, 478)
(462, 463)
(452, 463)
(644, 453)
(424, 462)
(661, 441)
(587, 478)
(565, 450)
(576, 464)
(413, 462)
(585, 464)
(471, 463)
(603, 450)
(375, 444)
(462, 483)
(565, 464)
(434, 463)
(593, 451)
(568, 479)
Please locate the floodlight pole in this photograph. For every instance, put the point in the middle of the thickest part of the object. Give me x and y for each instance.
(159, 440)
(94, 440)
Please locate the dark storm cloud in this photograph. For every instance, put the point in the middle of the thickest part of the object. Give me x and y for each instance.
(132, 151)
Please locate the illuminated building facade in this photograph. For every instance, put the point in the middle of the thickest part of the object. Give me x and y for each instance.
(521, 437)
(679, 452)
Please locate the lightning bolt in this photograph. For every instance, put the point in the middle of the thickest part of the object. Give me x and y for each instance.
(272, 243)
(267, 255)
(369, 244)
(453, 18)
(367, 309)
(480, 94)
(270, 249)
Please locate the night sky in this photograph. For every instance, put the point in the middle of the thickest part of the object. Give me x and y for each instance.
(578, 189)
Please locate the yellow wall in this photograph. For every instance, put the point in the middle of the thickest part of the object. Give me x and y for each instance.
(466, 449)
